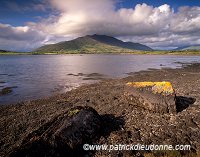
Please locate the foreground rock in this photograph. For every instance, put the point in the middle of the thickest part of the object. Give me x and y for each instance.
(155, 96)
(63, 136)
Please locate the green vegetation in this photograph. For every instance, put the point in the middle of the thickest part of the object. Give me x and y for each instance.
(11, 53)
(123, 51)
(89, 49)
(4, 52)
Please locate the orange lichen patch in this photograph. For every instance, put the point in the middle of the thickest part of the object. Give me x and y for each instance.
(157, 87)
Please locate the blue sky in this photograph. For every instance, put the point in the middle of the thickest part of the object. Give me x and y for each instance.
(18, 12)
(160, 24)
(173, 3)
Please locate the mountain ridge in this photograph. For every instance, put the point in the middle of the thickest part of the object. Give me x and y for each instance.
(94, 44)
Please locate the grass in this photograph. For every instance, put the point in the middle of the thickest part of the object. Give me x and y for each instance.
(13, 53)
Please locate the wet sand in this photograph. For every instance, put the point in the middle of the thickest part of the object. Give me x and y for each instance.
(131, 123)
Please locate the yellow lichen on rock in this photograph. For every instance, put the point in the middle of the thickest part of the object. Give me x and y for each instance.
(141, 84)
(157, 87)
(73, 112)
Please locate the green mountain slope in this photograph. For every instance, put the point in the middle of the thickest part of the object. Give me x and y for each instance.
(195, 47)
(93, 44)
(116, 42)
(192, 48)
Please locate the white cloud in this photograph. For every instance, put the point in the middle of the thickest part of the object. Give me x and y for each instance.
(154, 26)
(19, 38)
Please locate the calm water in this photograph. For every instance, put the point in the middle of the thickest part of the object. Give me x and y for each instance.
(38, 76)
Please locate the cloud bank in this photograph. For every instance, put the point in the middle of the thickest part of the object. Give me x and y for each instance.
(157, 27)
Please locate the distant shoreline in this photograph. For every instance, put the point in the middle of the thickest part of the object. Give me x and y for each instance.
(187, 53)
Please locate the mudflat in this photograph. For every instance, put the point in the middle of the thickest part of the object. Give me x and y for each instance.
(124, 123)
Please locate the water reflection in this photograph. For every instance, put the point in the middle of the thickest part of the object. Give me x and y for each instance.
(38, 76)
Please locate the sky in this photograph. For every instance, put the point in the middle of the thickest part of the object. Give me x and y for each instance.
(161, 24)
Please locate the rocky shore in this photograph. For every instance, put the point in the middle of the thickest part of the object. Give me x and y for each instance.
(124, 122)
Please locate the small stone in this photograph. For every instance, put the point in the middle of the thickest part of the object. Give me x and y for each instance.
(6, 90)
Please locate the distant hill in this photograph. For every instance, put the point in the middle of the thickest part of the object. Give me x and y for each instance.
(4, 51)
(195, 47)
(93, 44)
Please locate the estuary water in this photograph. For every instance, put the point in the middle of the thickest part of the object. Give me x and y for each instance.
(37, 76)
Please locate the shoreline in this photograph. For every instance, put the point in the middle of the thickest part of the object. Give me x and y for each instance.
(184, 53)
(18, 120)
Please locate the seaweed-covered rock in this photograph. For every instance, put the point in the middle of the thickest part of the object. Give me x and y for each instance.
(63, 136)
(154, 96)
(6, 90)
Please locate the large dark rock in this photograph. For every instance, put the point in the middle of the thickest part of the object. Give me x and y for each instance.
(63, 136)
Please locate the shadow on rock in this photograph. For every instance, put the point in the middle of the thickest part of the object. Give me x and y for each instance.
(183, 102)
(111, 123)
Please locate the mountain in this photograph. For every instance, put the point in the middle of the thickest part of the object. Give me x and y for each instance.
(194, 47)
(116, 42)
(93, 44)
